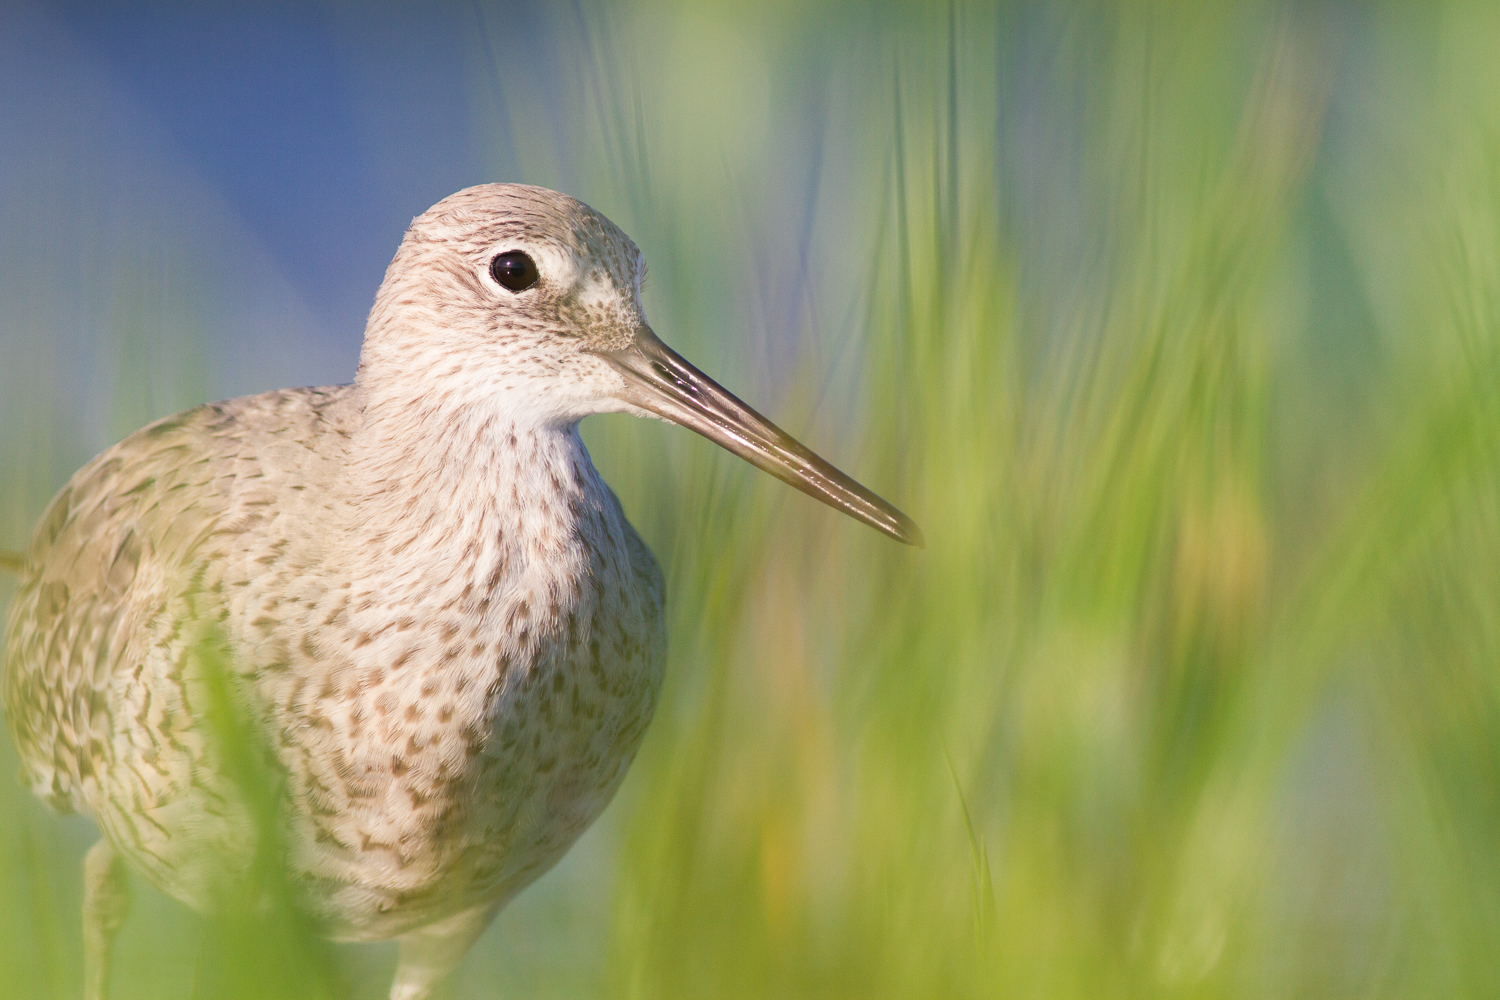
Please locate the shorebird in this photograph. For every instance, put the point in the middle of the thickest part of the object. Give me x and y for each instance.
(446, 637)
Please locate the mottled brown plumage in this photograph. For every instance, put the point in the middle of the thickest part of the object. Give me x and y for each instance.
(431, 612)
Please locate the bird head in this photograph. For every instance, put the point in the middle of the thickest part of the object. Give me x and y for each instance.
(519, 302)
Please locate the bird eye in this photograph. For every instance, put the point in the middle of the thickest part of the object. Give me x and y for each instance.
(515, 270)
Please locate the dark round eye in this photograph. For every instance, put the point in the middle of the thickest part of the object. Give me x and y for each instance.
(515, 270)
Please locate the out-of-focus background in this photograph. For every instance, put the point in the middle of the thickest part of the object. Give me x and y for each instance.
(1176, 326)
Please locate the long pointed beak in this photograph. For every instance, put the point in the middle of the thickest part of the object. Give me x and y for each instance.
(658, 379)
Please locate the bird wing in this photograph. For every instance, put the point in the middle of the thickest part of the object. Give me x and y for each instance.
(117, 572)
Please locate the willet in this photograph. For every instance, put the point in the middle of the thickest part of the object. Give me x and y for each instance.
(447, 637)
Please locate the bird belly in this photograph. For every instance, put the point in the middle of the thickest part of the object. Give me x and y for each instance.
(462, 786)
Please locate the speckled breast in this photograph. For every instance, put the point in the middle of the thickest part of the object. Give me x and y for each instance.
(465, 764)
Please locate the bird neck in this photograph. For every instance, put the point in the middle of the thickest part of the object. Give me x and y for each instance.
(465, 491)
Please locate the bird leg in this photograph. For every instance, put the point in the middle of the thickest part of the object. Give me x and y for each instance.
(106, 898)
(429, 954)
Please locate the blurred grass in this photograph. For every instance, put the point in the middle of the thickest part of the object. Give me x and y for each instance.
(1177, 327)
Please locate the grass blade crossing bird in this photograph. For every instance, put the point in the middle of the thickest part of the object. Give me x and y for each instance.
(446, 635)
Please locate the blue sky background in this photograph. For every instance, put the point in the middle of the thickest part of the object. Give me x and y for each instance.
(323, 128)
